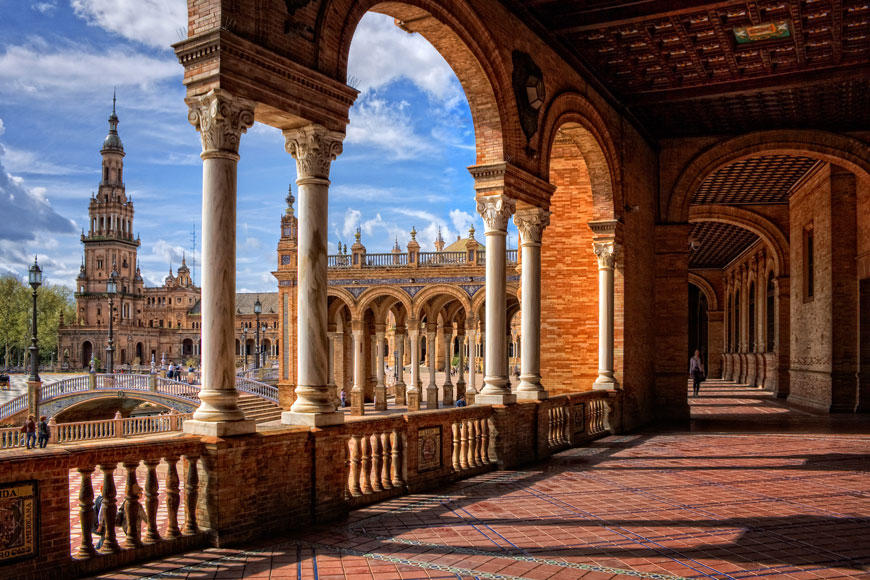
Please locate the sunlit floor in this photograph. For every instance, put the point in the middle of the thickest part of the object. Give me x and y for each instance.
(787, 498)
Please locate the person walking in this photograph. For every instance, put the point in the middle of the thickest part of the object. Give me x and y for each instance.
(29, 430)
(342, 397)
(696, 370)
(44, 432)
(99, 521)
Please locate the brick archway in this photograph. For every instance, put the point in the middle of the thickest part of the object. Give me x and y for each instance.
(461, 37)
(707, 289)
(841, 150)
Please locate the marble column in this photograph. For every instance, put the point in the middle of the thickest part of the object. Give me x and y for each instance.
(333, 388)
(471, 390)
(531, 223)
(357, 396)
(221, 119)
(314, 147)
(380, 386)
(606, 254)
(400, 367)
(496, 210)
(447, 389)
(460, 376)
(413, 392)
(432, 388)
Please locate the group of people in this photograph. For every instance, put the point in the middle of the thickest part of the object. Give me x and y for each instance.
(121, 519)
(36, 434)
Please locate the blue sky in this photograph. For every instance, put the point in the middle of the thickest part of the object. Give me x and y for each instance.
(404, 163)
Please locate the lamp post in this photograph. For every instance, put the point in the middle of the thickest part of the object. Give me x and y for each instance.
(35, 278)
(258, 308)
(111, 289)
(263, 348)
(33, 382)
(245, 345)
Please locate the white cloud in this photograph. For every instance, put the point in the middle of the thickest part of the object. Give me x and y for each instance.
(253, 243)
(351, 221)
(153, 22)
(387, 126)
(375, 60)
(42, 71)
(168, 252)
(30, 162)
(45, 8)
(424, 216)
(461, 220)
(368, 226)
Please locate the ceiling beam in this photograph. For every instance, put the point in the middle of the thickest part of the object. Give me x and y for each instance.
(562, 21)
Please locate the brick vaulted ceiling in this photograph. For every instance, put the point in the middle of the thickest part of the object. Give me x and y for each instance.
(726, 66)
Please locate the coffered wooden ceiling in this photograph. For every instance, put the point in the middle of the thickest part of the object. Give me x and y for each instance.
(767, 179)
(718, 244)
(685, 67)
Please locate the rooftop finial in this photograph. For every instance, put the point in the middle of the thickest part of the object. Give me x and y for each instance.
(114, 97)
(413, 233)
(358, 234)
(290, 199)
(471, 232)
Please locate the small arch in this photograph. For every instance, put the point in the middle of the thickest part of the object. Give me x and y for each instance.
(706, 288)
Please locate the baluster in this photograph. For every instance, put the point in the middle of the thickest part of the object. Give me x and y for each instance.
(131, 508)
(463, 444)
(484, 441)
(173, 498)
(397, 462)
(365, 466)
(475, 430)
(558, 425)
(456, 439)
(376, 463)
(354, 453)
(387, 455)
(86, 513)
(191, 494)
(109, 508)
(151, 496)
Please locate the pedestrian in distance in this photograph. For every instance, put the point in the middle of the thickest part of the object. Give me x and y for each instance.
(342, 397)
(43, 432)
(29, 430)
(460, 402)
(99, 519)
(696, 370)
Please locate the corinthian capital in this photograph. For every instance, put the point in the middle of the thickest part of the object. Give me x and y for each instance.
(496, 210)
(531, 222)
(220, 119)
(314, 147)
(606, 254)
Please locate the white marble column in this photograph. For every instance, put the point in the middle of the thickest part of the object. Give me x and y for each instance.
(413, 392)
(531, 223)
(432, 388)
(496, 210)
(314, 147)
(400, 367)
(447, 389)
(471, 389)
(380, 386)
(333, 389)
(460, 376)
(357, 396)
(606, 254)
(221, 119)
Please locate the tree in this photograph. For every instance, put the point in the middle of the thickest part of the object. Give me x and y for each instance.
(13, 317)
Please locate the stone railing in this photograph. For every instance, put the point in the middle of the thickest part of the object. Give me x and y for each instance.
(376, 461)
(178, 389)
(253, 387)
(338, 261)
(117, 427)
(471, 443)
(13, 407)
(70, 385)
(424, 259)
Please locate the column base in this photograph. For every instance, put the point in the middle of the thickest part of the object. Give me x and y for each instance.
(532, 395)
(381, 398)
(414, 400)
(431, 397)
(357, 403)
(312, 419)
(400, 394)
(220, 428)
(506, 399)
(470, 396)
(604, 384)
(447, 397)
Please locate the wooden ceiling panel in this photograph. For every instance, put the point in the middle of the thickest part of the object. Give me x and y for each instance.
(718, 244)
(766, 180)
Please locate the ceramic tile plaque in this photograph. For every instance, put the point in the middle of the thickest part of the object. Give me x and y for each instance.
(18, 521)
(579, 415)
(428, 448)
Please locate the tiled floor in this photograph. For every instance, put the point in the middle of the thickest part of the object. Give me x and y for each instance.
(789, 501)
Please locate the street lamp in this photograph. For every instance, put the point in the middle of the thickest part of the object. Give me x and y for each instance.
(263, 362)
(245, 345)
(258, 308)
(35, 278)
(111, 289)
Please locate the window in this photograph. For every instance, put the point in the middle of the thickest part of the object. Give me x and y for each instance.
(105, 174)
(771, 312)
(809, 263)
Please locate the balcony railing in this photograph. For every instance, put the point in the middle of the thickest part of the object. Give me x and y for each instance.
(424, 259)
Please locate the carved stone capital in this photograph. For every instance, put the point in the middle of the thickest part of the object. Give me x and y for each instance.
(496, 210)
(606, 254)
(220, 119)
(314, 147)
(531, 223)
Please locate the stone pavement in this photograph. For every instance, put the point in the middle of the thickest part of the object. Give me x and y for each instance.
(717, 503)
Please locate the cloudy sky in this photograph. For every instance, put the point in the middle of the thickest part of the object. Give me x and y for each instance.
(409, 141)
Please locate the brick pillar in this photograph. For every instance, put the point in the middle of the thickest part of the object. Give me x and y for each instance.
(715, 348)
(672, 322)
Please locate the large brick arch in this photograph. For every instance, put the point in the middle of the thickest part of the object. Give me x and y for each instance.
(571, 110)
(756, 223)
(841, 150)
(367, 298)
(421, 300)
(459, 34)
(707, 289)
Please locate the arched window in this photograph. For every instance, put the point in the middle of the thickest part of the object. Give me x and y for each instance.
(105, 174)
(771, 314)
(752, 321)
